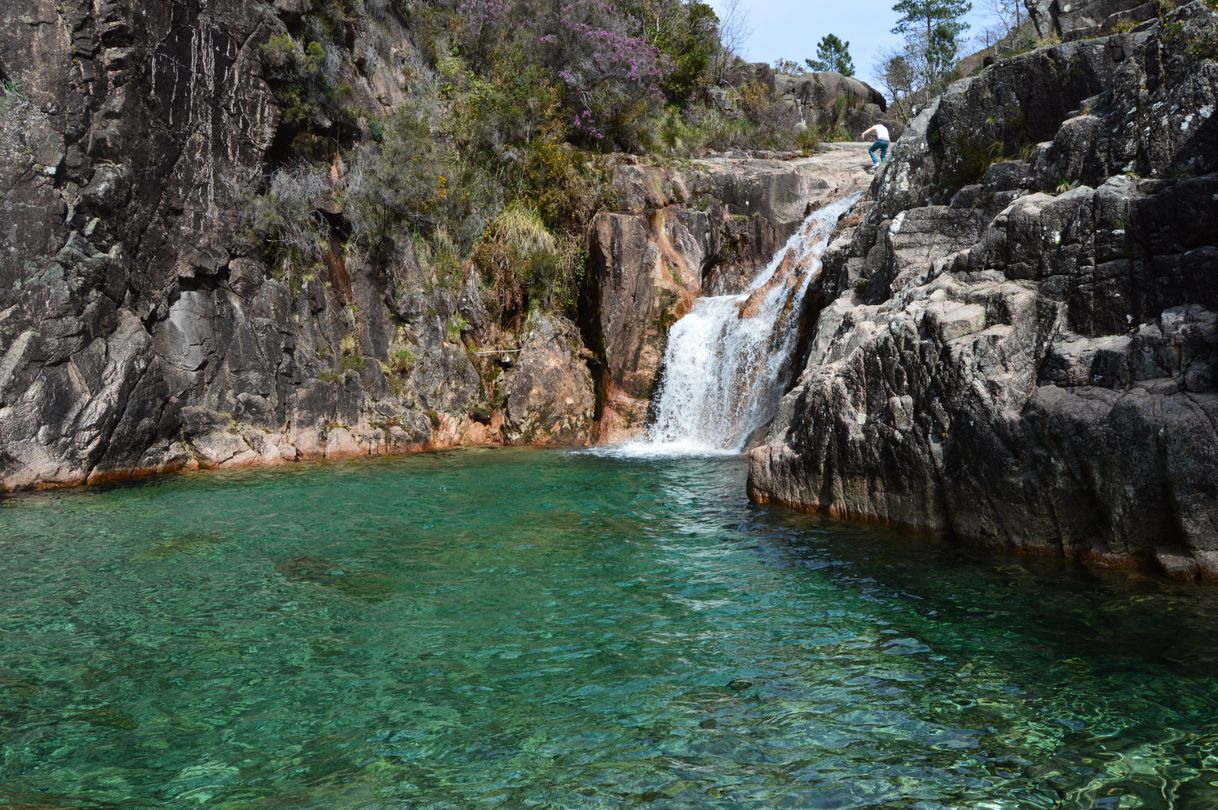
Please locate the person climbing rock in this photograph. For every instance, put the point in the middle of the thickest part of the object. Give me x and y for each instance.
(880, 145)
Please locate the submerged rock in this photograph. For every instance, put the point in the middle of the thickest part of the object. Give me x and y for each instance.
(310, 569)
(1019, 339)
(368, 586)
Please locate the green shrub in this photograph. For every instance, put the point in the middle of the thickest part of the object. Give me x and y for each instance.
(440, 255)
(496, 117)
(350, 364)
(690, 40)
(564, 185)
(402, 361)
(758, 120)
(279, 52)
(457, 326)
(305, 81)
(674, 134)
(524, 265)
(1203, 44)
(395, 187)
(807, 140)
(350, 359)
(11, 97)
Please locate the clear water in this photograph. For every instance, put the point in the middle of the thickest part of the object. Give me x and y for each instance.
(725, 360)
(545, 629)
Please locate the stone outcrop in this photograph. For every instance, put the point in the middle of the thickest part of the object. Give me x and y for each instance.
(1017, 342)
(677, 235)
(548, 389)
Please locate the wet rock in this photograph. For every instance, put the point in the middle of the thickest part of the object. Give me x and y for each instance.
(638, 290)
(711, 231)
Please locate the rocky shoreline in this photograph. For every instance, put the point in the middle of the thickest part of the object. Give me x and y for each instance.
(710, 225)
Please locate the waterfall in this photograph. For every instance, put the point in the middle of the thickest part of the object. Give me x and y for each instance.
(726, 359)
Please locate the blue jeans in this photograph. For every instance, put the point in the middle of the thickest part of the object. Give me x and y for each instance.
(882, 148)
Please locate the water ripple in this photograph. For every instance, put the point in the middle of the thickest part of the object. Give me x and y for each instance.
(571, 630)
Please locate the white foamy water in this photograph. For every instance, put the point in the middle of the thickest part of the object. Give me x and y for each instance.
(724, 367)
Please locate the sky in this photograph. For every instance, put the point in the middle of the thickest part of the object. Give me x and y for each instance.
(790, 29)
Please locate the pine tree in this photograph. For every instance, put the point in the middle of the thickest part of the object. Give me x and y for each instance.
(936, 26)
(941, 53)
(832, 54)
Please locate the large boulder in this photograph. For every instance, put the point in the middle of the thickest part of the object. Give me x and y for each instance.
(835, 104)
(1019, 339)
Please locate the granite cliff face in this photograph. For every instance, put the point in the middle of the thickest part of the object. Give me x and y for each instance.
(1018, 340)
(138, 335)
(115, 281)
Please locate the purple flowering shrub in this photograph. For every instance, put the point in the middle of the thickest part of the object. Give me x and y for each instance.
(611, 76)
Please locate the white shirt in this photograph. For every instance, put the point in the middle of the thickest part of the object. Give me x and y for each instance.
(881, 132)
